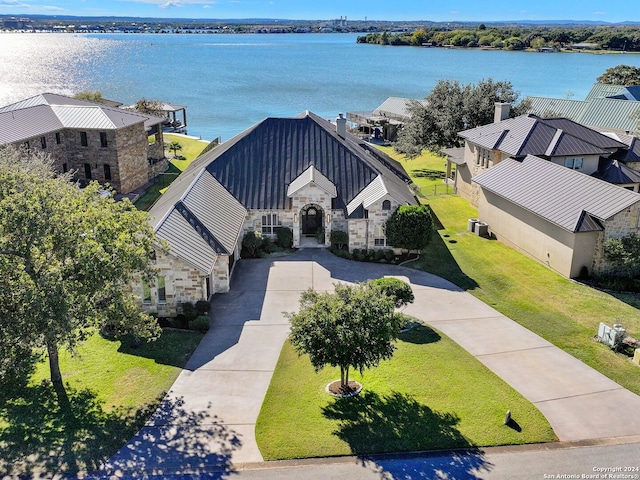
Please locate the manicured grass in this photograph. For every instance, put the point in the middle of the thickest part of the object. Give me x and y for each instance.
(149, 197)
(427, 171)
(562, 311)
(112, 390)
(431, 395)
(191, 148)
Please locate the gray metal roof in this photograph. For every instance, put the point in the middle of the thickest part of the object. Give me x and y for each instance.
(618, 173)
(557, 107)
(258, 165)
(395, 107)
(26, 123)
(605, 113)
(531, 135)
(455, 155)
(70, 113)
(186, 243)
(612, 113)
(203, 206)
(603, 90)
(312, 175)
(558, 194)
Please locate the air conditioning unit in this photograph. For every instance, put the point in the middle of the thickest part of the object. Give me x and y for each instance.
(611, 336)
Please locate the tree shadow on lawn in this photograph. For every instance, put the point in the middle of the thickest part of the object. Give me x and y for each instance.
(37, 438)
(373, 424)
(420, 335)
(429, 174)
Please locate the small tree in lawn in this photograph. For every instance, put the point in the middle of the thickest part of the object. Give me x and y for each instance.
(175, 147)
(352, 328)
(410, 227)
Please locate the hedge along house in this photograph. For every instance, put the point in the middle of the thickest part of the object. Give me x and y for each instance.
(96, 141)
(304, 173)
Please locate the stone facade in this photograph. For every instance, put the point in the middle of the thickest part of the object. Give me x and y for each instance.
(620, 225)
(120, 158)
(183, 283)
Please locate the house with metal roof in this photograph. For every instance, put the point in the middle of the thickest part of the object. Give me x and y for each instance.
(555, 214)
(95, 141)
(557, 140)
(611, 108)
(304, 173)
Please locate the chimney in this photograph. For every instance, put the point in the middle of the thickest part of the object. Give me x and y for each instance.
(341, 126)
(501, 112)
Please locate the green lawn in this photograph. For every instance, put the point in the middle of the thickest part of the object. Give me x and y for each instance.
(191, 148)
(431, 395)
(112, 389)
(562, 311)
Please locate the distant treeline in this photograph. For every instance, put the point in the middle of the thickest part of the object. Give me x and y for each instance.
(514, 38)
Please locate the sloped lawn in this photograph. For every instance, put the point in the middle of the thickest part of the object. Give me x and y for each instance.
(431, 395)
(112, 390)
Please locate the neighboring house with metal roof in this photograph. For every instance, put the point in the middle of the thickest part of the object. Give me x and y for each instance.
(385, 121)
(303, 173)
(612, 108)
(555, 214)
(96, 141)
(558, 140)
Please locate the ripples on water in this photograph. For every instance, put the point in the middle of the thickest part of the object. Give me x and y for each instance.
(230, 82)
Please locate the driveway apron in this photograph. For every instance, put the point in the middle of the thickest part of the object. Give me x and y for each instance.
(207, 420)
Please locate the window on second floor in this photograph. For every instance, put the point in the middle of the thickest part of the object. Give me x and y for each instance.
(386, 205)
(103, 139)
(58, 140)
(83, 139)
(43, 142)
(574, 163)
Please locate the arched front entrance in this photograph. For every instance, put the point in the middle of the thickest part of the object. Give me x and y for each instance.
(312, 220)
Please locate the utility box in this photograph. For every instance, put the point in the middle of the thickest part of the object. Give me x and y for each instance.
(636, 356)
(482, 229)
(471, 224)
(611, 336)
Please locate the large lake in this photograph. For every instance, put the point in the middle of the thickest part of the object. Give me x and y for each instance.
(230, 82)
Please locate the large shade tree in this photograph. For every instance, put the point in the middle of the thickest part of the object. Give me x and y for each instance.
(67, 256)
(451, 108)
(355, 327)
(623, 75)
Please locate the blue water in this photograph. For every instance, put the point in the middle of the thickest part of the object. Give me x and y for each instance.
(230, 82)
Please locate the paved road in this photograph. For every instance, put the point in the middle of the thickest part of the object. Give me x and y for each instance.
(207, 420)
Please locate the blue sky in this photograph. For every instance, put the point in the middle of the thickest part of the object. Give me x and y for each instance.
(443, 10)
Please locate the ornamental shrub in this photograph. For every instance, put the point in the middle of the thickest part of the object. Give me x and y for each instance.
(284, 237)
(398, 290)
(251, 244)
(339, 239)
(200, 323)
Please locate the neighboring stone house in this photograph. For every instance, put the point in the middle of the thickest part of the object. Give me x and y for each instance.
(97, 142)
(610, 108)
(554, 214)
(558, 140)
(303, 173)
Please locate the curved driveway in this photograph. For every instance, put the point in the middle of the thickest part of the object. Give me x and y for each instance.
(207, 420)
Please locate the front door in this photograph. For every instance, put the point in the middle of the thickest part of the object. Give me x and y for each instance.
(312, 216)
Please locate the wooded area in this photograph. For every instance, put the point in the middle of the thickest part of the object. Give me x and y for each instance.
(618, 38)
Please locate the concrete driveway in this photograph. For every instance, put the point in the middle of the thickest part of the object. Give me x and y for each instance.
(207, 420)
